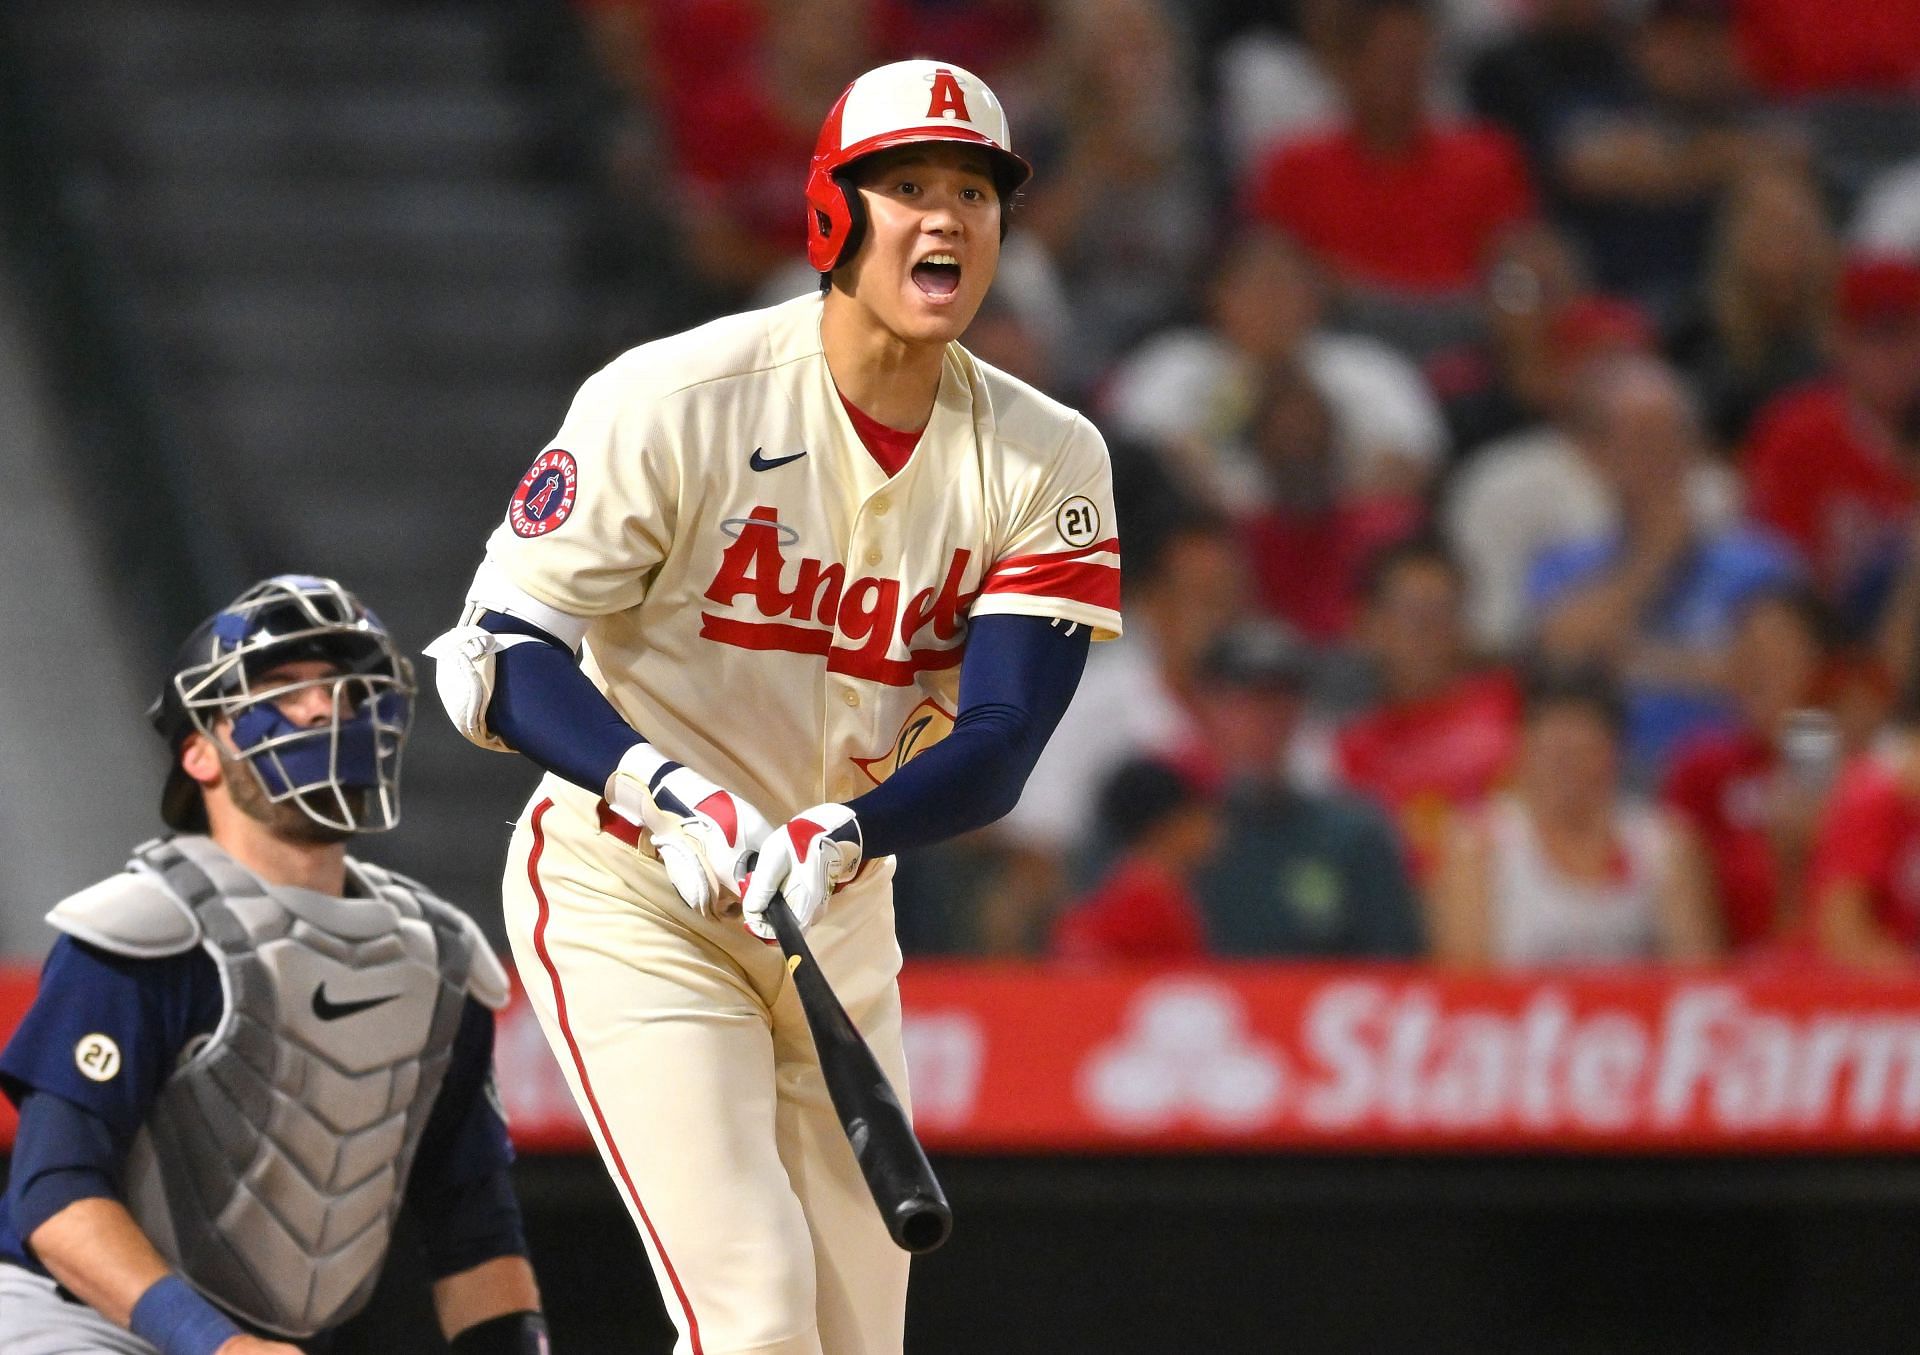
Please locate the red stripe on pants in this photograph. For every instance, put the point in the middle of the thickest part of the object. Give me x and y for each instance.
(580, 1067)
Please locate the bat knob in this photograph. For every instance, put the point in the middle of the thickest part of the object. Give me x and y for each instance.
(921, 1224)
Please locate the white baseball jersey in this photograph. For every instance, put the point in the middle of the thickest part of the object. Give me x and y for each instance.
(770, 607)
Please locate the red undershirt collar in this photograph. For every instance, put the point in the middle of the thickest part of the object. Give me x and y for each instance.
(890, 447)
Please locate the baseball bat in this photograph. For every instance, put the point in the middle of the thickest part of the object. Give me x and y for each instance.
(895, 1165)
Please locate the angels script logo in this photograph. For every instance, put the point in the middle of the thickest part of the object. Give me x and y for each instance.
(806, 606)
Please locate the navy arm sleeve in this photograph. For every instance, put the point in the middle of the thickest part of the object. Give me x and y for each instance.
(61, 1154)
(461, 1189)
(550, 712)
(1018, 675)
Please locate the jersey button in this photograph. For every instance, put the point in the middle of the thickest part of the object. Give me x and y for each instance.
(852, 698)
(880, 507)
(873, 557)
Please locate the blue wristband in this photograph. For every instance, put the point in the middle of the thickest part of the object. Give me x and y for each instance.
(175, 1320)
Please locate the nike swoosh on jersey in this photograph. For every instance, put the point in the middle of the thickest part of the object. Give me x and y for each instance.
(328, 1010)
(759, 462)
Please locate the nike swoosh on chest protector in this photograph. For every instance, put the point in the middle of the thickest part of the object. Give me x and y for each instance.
(328, 1010)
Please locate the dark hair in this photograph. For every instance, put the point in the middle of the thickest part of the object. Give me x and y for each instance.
(1146, 554)
(1422, 548)
(1550, 685)
(1140, 796)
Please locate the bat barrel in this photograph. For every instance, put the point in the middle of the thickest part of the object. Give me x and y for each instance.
(921, 1224)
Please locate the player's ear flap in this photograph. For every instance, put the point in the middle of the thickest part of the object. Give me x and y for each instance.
(856, 219)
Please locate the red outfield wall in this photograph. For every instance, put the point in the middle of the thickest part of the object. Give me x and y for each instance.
(1034, 1059)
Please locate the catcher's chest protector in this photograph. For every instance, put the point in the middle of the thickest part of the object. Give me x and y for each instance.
(273, 1163)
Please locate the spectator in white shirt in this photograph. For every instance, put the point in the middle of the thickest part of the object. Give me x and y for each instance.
(1193, 391)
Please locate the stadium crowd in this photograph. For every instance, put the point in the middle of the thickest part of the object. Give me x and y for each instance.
(1515, 415)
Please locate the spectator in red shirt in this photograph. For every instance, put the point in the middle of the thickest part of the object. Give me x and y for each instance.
(1443, 734)
(1830, 465)
(1392, 201)
(1866, 861)
(657, 50)
(1309, 543)
(1165, 829)
(1751, 794)
(737, 88)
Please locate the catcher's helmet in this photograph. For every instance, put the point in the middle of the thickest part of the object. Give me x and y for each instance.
(898, 105)
(343, 774)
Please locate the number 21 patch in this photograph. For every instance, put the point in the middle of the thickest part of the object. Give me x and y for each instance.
(544, 497)
(97, 1057)
(1078, 521)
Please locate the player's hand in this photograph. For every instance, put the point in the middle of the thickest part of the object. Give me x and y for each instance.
(807, 858)
(706, 837)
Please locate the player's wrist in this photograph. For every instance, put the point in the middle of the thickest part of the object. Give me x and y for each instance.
(683, 786)
(175, 1320)
(630, 789)
(848, 844)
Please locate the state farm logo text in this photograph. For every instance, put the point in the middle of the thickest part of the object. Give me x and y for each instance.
(1419, 1060)
(811, 607)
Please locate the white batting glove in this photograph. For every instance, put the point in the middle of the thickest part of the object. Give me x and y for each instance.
(807, 859)
(706, 837)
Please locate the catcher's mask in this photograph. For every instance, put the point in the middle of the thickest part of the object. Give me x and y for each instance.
(344, 774)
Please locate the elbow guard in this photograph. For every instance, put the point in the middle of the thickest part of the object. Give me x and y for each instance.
(463, 657)
(463, 661)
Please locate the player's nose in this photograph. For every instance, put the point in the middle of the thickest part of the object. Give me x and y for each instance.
(942, 216)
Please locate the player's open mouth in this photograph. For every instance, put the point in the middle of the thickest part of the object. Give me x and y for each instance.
(937, 275)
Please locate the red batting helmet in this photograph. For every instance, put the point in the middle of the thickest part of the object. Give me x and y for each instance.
(898, 105)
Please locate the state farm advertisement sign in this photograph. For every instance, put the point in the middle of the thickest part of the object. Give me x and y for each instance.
(1255, 1057)
(1033, 1059)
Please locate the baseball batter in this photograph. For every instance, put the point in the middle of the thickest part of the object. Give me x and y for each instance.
(825, 570)
(248, 1049)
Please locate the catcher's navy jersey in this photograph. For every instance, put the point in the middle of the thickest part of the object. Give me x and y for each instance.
(104, 1031)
